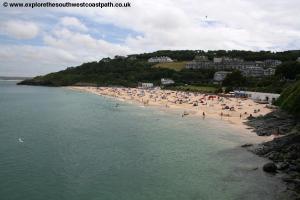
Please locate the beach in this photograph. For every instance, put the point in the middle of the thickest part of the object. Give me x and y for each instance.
(231, 109)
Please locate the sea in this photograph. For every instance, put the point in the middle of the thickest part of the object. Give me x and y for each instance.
(61, 144)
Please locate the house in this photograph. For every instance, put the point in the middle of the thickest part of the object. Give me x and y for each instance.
(132, 57)
(145, 85)
(220, 76)
(257, 96)
(199, 65)
(120, 57)
(162, 59)
(253, 71)
(269, 72)
(105, 60)
(218, 60)
(298, 59)
(166, 81)
(248, 68)
(272, 63)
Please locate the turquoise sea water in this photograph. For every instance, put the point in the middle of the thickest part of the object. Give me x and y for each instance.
(59, 144)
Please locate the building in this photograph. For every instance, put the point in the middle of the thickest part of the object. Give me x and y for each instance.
(248, 68)
(105, 60)
(218, 60)
(225, 59)
(257, 96)
(166, 81)
(253, 71)
(272, 63)
(220, 76)
(269, 72)
(199, 65)
(132, 57)
(120, 57)
(200, 58)
(145, 85)
(162, 59)
(298, 59)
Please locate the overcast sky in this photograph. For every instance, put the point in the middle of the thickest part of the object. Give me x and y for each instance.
(41, 40)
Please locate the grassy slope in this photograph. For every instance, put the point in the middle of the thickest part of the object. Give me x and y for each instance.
(177, 66)
(290, 99)
(193, 88)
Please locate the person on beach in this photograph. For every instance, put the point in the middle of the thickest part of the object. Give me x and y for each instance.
(203, 114)
(240, 115)
(221, 115)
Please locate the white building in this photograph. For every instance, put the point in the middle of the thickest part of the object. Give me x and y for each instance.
(298, 59)
(257, 96)
(269, 72)
(220, 76)
(218, 60)
(145, 85)
(162, 59)
(166, 81)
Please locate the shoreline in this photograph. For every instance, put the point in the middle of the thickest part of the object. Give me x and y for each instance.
(256, 143)
(212, 105)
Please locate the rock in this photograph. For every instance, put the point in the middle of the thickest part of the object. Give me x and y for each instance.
(255, 168)
(295, 168)
(283, 166)
(274, 156)
(247, 145)
(270, 167)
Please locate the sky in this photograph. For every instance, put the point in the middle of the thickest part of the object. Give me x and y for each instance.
(36, 41)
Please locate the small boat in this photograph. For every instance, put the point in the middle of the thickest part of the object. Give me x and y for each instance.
(20, 140)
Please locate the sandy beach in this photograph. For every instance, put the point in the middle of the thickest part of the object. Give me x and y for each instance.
(234, 110)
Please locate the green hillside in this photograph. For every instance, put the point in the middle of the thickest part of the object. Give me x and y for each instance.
(177, 66)
(290, 99)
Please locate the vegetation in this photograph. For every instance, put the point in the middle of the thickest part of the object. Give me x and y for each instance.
(177, 66)
(288, 70)
(119, 72)
(290, 99)
(195, 88)
(183, 55)
(235, 79)
(129, 71)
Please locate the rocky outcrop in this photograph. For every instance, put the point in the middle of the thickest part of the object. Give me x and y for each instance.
(284, 150)
(270, 167)
(277, 122)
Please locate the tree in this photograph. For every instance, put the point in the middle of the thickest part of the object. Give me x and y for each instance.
(288, 70)
(235, 79)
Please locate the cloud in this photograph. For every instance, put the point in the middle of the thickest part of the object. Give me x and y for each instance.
(20, 29)
(74, 23)
(83, 46)
(72, 36)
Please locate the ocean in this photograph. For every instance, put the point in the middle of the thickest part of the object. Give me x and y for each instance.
(60, 144)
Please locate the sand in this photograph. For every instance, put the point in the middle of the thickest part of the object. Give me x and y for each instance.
(202, 105)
